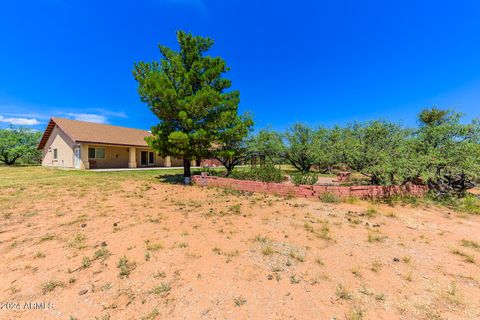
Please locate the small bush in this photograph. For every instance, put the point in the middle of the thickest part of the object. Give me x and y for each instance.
(51, 285)
(267, 173)
(468, 203)
(125, 267)
(305, 179)
(328, 197)
(162, 289)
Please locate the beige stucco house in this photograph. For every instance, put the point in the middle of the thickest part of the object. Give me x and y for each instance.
(69, 143)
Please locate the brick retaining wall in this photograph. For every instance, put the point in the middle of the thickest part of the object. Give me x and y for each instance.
(310, 191)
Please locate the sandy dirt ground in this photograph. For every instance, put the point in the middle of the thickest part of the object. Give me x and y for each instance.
(133, 249)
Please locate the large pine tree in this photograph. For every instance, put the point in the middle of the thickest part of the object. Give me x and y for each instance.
(188, 94)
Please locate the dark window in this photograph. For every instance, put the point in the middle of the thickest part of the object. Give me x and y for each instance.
(55, 154)
(152, 159)
(91, 153)
(143, 158)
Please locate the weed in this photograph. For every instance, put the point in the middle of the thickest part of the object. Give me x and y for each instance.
(468, 257)
(376, 236)
(356, 272)
(102, 254)
(371, 212)
(471, 244)
(162, 289)
(355, 314)
(328, 197)
(152, 315)
(39, 255)
(125, 266)
(342, 292)
(51, 285)
(268, 250)
(86, 262)
(235, 209)
(78, 241)
(151, 246)
(294, 279)
(239, 301)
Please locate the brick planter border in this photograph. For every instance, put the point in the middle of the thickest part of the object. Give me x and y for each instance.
(307, 191)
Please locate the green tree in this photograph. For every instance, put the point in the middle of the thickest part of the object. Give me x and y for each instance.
(267, 145)
(374, 150)
(230, 147)
(19, 144)
(447, 151)
(327, 146)
(299, 150)
(188, 94)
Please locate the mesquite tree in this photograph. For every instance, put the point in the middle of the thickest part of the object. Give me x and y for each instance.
(19, 144)
(230, 146)
(187, 92)
(299, 149)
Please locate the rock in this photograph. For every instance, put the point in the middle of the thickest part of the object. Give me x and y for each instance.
(103, 244)
(396, 259)
(376, 225)
(82, 292)
(83, 225)
(115, 224)
(269, 277)
(286, 236)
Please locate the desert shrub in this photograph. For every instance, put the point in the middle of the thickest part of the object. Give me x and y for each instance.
(328, 197)
(267, 173)
(307, 179)
(214, 172)
(469, 203)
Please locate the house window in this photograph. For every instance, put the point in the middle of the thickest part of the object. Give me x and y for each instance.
(55, 154)
(96, 153)
(147, 158)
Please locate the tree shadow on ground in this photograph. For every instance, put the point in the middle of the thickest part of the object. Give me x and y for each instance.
(171, 178)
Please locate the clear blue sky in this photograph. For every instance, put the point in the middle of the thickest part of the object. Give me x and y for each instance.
(319, 62)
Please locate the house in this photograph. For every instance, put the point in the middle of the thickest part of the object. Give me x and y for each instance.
(69, 143)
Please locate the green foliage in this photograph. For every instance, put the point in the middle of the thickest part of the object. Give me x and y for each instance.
(305, 179)
(267, 145)
(442, 152)
(443, 149)
(230, 147)
(468, 203)
(19, 145)
(328, 197)
(375, 149)
(327, 146)
(267, 173)
(188, 94)
(299, 150)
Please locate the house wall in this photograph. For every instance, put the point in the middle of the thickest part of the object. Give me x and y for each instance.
(115, 157)
(176, 162)
(159, 161)
(64, 145)
(118, 157)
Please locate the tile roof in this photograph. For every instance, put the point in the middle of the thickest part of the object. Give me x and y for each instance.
(81, 131)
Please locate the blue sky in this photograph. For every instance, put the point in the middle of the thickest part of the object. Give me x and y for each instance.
(318, 62)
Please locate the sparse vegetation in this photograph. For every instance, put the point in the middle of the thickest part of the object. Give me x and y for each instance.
(297, 244)
(51, 285)
(239, 301)
(342, 292)
(125, 266)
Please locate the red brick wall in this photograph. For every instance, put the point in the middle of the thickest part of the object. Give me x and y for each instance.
(310, 191)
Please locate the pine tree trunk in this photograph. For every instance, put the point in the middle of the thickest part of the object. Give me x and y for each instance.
(186, 169)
